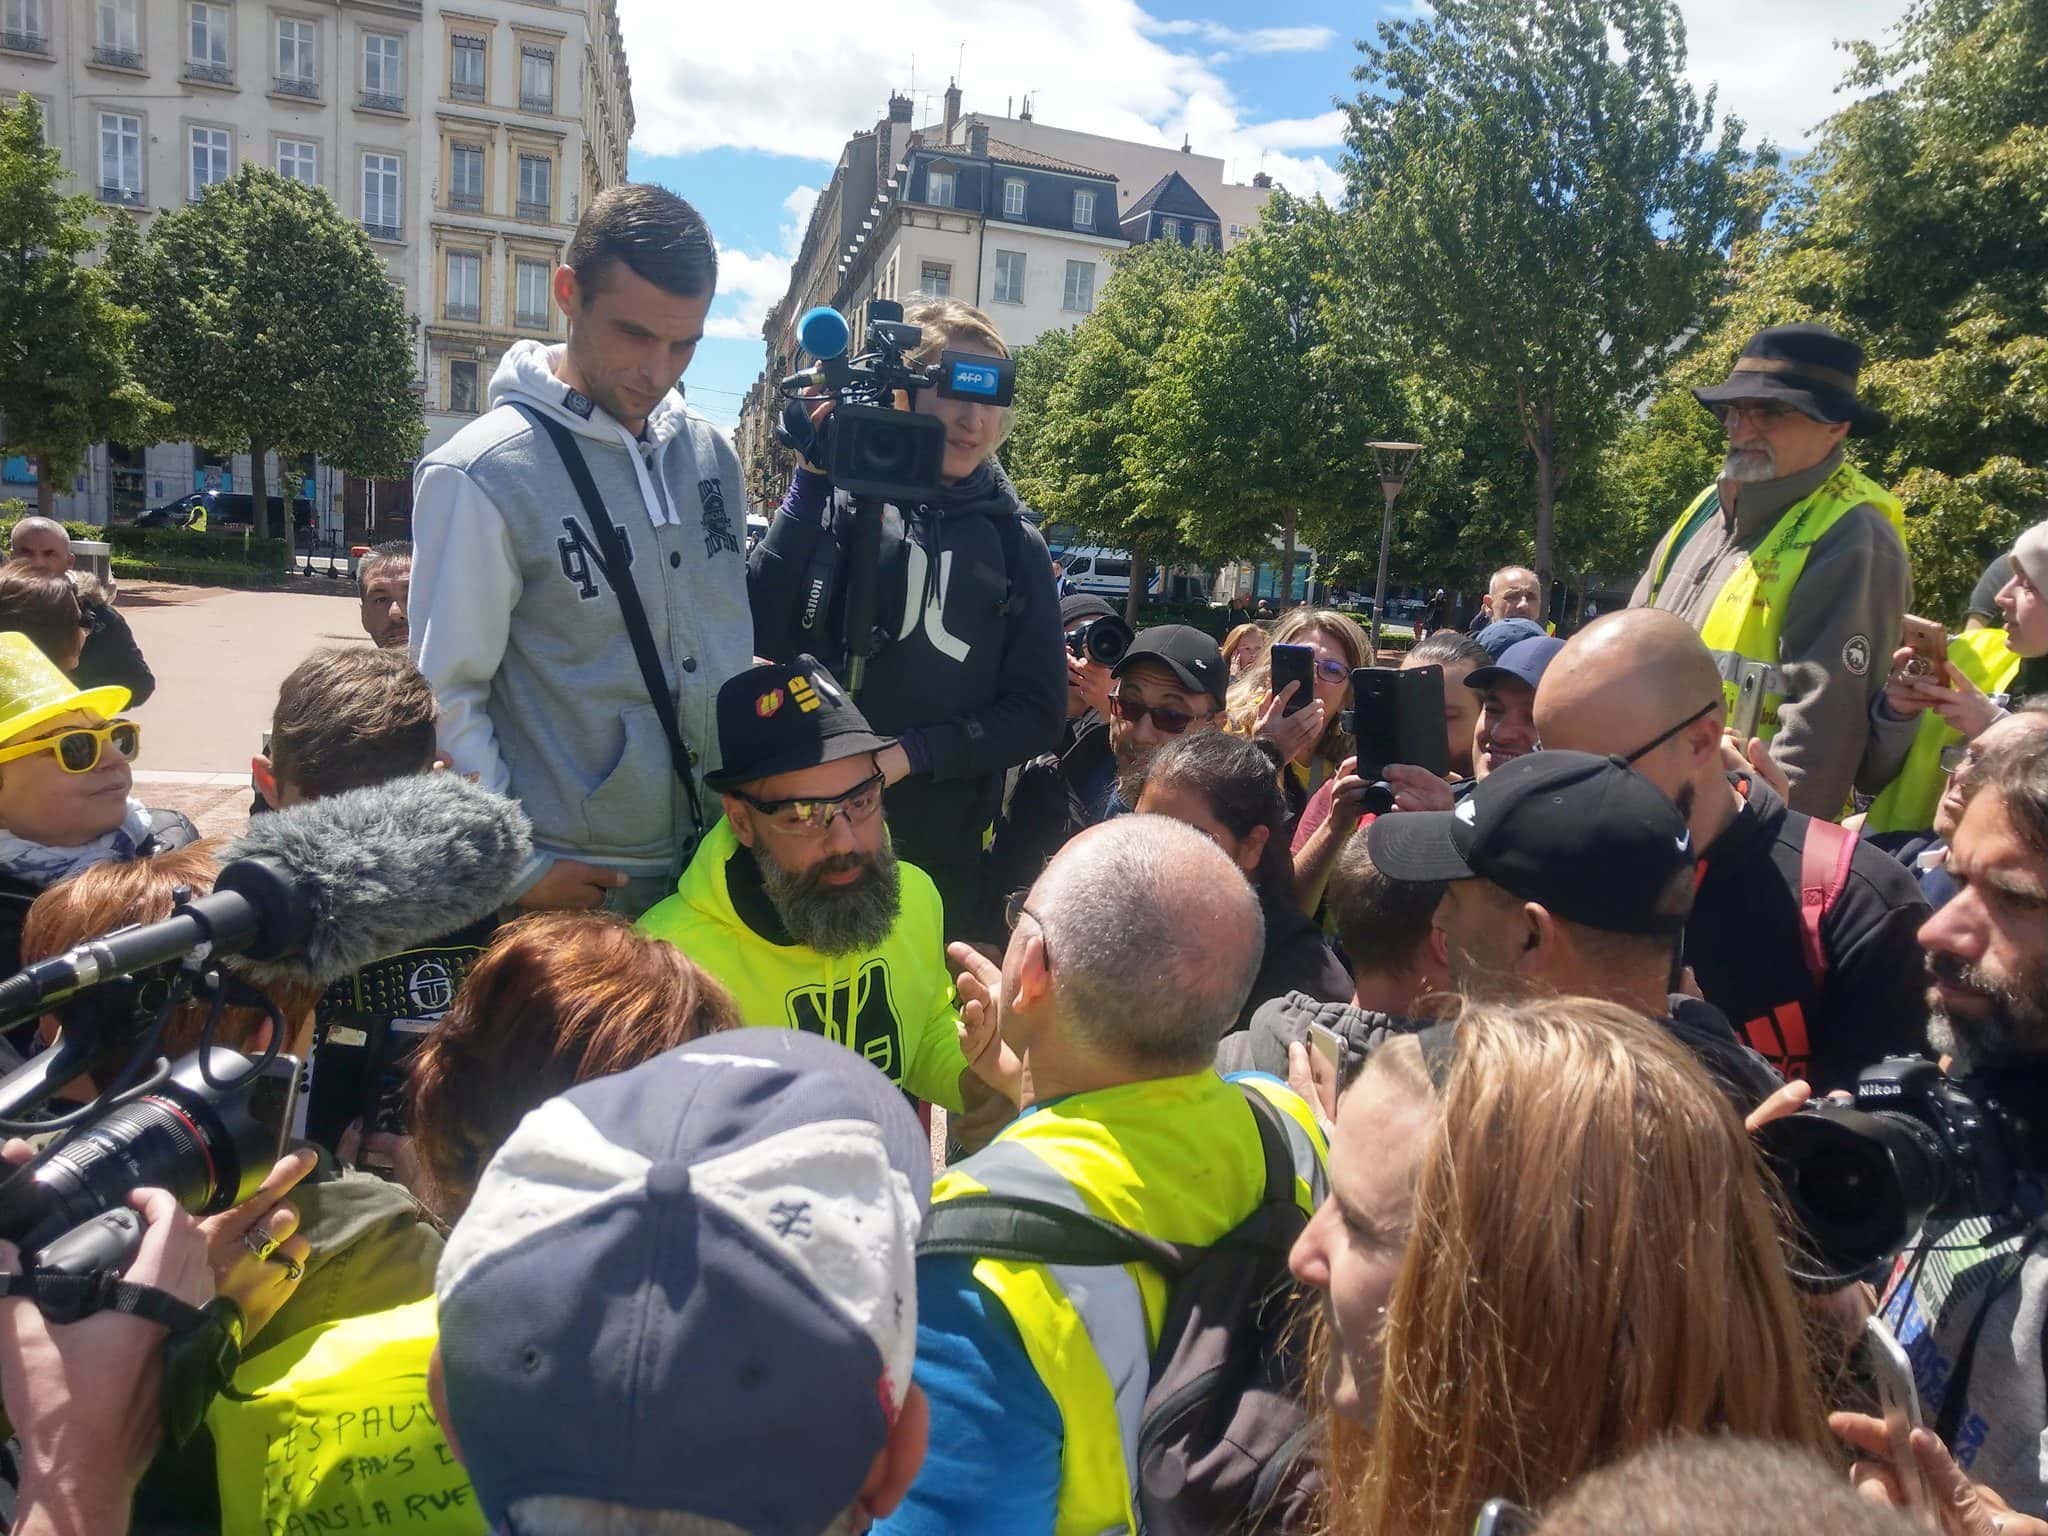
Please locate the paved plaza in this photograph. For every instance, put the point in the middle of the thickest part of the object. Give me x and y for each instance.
(219, 657)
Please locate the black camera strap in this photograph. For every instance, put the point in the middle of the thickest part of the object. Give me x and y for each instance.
(614, 563)
(73, 1298)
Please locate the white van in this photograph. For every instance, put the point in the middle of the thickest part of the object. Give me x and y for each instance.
(1105, 572)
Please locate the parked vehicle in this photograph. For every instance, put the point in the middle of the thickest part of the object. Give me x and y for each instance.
(225, 512)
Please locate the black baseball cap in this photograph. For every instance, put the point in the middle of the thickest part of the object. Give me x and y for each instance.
(776, 719)
(1082, 606)
(1586, 837)
(1186, 652)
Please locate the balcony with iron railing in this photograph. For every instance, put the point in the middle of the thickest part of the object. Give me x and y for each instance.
(126, 197)
(21, 40)
(381, 101)
(545, 105)
(534, 213)
(305, 87)
(467, 314)
(531, 321)
(117, 58)
(462, 90)
(466, 202)
(207, 73)
(391, 232)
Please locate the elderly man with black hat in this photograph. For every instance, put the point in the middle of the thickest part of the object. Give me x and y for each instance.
(795, 900)
(1792, 566)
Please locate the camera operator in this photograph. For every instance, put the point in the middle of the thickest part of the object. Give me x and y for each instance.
(1822, 989)
(1061, 792)
(1967, 1298)
(969, 679)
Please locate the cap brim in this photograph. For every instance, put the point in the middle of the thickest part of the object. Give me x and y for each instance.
(1187, 678)
(852, 744)
(1825, 405)
(1416, 846)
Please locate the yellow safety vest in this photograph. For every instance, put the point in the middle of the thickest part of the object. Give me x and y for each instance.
(1748, 615)
(1177, 1158)
(1908, 802)
(337, 1434)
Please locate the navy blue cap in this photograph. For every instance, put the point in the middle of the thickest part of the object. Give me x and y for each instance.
(691, 1287)
(1502, 633)
(1525, 660)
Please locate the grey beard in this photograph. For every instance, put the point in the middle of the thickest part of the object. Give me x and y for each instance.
(1749, 466)
(2016, 1023)
(835, 919)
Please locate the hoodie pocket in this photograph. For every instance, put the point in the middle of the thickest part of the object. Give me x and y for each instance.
(631, 810)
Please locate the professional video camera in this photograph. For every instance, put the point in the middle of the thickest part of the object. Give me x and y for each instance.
(870, 448)
(1916, 1145)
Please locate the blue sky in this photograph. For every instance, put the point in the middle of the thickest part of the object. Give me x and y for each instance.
(742, 107)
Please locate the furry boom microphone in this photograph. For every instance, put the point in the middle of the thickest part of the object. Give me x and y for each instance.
(319, 891)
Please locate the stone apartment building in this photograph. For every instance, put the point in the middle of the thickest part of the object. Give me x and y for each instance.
(467, 138)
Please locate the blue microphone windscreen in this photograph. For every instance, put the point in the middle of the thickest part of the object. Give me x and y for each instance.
(823, 333)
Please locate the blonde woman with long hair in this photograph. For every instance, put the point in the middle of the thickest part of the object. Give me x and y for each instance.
(1548, 1243)
(1312, 741)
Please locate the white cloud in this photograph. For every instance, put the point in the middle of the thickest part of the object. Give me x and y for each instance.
(1776, 65)
(749, 283)
(824, 71)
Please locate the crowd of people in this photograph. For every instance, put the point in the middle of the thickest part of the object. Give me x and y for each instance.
(1331, 1143)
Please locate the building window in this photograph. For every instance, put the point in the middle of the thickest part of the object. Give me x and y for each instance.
(1080, 294)
(24, 27)
(297, 74)
(380, 196)
(1084, 210)
(1237, 231)
(117, 34)
(120, 158)
(383, 72)
(1009, 287)
(936, 279)
(530, 294)
(1203, 237)
(466, 67)
(536, 79)
(299, 160)
(466, 177)
(209, 159)
(536, 187)
(462, 386)
(938, 188)
(1013, 198)
(1169, 229)
(206, 49)
(465, 286)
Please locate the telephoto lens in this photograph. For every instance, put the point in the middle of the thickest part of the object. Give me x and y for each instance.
(1102, 641)
(210, 1147)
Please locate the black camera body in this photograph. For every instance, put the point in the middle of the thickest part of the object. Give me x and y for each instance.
(1915, 1145)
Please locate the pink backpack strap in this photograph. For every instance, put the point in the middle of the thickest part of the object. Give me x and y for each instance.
(1823, 871)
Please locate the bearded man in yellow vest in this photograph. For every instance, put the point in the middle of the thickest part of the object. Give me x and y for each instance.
(1793, 564)
(1127, 962)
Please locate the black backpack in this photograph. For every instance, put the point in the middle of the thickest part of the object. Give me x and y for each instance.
(1226, 1440)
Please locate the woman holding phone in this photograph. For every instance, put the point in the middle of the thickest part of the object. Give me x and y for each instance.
(1299, 713)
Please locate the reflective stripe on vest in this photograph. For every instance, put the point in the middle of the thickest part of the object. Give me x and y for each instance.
(1748, 616)
(1908, 802)
(1089, 1331)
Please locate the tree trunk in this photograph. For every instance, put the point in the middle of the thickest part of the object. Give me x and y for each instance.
(1136, 593)
(259, 489)
(1287, 560)
(46, 490)
(1546, 512)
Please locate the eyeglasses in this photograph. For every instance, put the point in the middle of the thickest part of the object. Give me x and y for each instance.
(1170, 721)
(1958, 757)
(1762, 413)
(1331, 670)
(1014, 908)
(814, 818)
(78, 751)
(1652, 745)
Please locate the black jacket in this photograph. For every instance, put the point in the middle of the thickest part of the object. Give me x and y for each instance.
(1056, 795)
(973, 664)
(1296, 962)
(111, 657)
(1743, 944)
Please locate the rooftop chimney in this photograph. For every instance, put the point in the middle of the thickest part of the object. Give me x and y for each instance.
(1262, 181)
(1024, 116)
(1187, 145)
(977, 139)
(899, 108)
(952, 110)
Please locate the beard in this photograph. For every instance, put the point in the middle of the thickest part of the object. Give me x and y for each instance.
(836, 919)
(2012, 1019)
(1133, 762)
(1747, 466)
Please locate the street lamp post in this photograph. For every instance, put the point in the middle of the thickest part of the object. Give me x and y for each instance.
(1394, 461)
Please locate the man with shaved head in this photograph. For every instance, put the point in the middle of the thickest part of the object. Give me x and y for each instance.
(1512, 592)
(111, 658)
(1128, 960)
(1641, 685)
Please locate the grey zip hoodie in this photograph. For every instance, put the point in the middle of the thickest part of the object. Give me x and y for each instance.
(523, 641)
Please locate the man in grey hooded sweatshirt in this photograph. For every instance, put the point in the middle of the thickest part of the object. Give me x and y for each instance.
(515, 621)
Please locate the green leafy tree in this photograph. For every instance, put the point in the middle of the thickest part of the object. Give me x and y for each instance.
(1076, 463)
(272, 325)
(1263, 398)
(1546, 209)
(67, 382)
(1916, 227)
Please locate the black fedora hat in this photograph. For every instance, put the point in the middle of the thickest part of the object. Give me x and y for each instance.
(1807, 367)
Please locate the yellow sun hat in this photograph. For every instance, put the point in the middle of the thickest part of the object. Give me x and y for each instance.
(34, 689)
